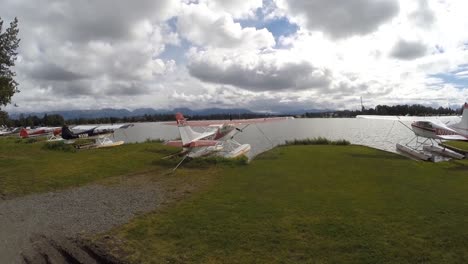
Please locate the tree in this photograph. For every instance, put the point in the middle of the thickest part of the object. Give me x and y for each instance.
(9, 43)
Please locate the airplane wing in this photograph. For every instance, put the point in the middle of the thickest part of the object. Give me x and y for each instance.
(213, 123)
(443, 119)
(195, 144)
(98, 128)
(452, 137)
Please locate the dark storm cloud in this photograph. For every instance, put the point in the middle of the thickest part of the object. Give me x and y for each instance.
(81, 21)
(264, 76)
(127, 89)
(52, 72)
(344, 18)
(408, 50)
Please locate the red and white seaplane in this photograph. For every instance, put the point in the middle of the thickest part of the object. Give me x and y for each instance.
(52, 132)
(217, 139)
(429, 130)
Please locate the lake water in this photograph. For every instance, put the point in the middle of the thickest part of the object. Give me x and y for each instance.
(381, 134)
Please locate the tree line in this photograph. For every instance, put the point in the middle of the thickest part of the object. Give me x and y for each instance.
(398, 110)
(58, 120)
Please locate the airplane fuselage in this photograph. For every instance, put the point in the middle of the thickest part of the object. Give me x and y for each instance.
(429, 129)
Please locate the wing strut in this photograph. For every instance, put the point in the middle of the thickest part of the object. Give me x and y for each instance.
(180, 163)
(261, 131)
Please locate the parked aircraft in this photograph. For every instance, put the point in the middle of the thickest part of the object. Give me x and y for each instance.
(5, 131)
(101, 134)
(218, 137)
(430, 129)
(40, 131)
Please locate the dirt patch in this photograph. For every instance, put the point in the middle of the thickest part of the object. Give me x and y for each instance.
(49, 227)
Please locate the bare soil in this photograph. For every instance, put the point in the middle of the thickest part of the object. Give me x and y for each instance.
(49, 227)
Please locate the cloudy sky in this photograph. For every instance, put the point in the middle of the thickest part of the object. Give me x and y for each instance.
(270, 55)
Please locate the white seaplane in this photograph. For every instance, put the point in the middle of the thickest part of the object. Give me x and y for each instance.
(101, 134)
(217, 139)
(6, 131)
(429, 130)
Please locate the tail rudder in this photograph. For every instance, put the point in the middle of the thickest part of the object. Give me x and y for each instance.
(186, 132)
(464, 122)
(24, 133)
(57, 131)
(67, 133)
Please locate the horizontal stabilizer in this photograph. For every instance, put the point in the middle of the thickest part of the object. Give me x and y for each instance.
(175, 143)
(204, 143)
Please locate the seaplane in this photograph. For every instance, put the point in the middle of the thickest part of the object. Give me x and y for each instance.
(5, 131)
(429, 132)
(217, 139)
(50, 132)
(101, 134)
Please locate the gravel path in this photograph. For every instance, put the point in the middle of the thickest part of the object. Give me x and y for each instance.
(89, 209)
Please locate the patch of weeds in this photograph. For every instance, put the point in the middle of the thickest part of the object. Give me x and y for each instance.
(156, 140)
(30, 140)
(204, 162)
(59, 146)
(317, 141)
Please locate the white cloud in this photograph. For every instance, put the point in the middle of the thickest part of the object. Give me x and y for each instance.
(205, 27)
(118, 54)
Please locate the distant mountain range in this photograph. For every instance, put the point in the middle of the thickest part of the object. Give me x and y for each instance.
(111, 112)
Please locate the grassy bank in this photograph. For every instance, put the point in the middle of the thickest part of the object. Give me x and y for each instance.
(314, 204)
(27, 166)
(458, 144)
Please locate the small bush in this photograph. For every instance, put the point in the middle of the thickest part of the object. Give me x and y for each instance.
(156, 140)
(202, 162)
(59, 146)
(317, 141)
(30, 140)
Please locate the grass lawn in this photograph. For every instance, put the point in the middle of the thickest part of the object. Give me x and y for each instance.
(313, 204)
(29, 167)
(459, 144)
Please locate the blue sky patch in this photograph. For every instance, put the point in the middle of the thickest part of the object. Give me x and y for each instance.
(457, 78)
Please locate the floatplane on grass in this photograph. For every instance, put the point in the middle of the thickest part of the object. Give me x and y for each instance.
(101, 135)
(217, 139)
(6, 131)
(430, 132)
(51, 132)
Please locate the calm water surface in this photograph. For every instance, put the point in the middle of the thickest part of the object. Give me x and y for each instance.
(381, 134)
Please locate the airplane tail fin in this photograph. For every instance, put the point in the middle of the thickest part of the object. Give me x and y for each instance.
(67, 133)
(464, 122)
(24, 133)
(186, 132)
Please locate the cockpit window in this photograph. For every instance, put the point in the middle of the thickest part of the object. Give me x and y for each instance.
(425, 124)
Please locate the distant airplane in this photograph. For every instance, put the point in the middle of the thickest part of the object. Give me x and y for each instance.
(40, 131)
(101, 134)
(5, 131)
(218, 137)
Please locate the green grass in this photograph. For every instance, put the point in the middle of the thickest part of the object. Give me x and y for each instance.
(317, 141)
(314, 204)
(458, 144)
(29, 166)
